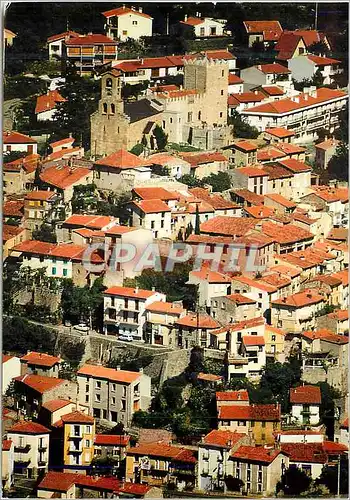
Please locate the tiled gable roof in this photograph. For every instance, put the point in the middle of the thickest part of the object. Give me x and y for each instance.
(48, 101)
(300, 299)
(278, 198)
(121, 159)
(245, 146)
(305, 452)
(228, 226)
(64, 177)
(123, 291)
(222, 439)
(240, 395)
(121, 11)
(56, 404)
(173, 453)
(192, 320)
(152, 206)
(93, 39)
(17, 138)
(155, 193)
(305, 394)
(270, 29)
(40, 359)
(77, 417)
(97, 371)
(165, 308)
(291, 235)
(253, 340)
(111, 440)
(28, 428)
(39, 383)
(265, 413)
(280, 132)
(62, 36)
(255, 454)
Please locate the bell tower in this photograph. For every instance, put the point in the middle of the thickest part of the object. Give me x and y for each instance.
(109, 124)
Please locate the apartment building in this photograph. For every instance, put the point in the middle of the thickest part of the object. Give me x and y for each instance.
(252, 178)
(233, 307)
(297, 312)
(18, 175)
(55, 43)
(244, 153)
(268, 74)
(39, 207)
(161, 318)
(305, 402)
(195, 329)
(259, 468)
(78, 440)
(126, 23)
(89, 52)
(31, 448)
(267, 32)
(154, 215)
(261, 421)
(46, 105)
(324, 152)
(211, 284)
(111, 394)
(305, 114)
(111, 445)
(125, 310)
(214, 464)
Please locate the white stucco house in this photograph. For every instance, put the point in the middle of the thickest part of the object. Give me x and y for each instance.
(127, 22)
(305, 401)
(11, 367)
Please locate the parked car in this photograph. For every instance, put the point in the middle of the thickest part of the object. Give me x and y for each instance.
(127, 337)
(82, 327)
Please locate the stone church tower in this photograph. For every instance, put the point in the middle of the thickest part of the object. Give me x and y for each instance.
(109, 124)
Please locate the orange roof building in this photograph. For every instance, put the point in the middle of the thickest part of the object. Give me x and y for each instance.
(263, 31)
(46, 104)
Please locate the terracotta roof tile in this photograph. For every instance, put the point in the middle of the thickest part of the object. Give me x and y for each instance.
(13, 208)
(256, 283)
(40, 383)
(305, 394)
(252, 340)
(249, 196)
(222, 439)
(278, 198)
(240, 326)
(56, 404)
(300, 299)
(305, 452)
(93, 39)
(245, 146)
(60, 250)
(121, 159)
(152, 206)
(333, 448)
(292, 233)
(209, 377)
(272, 90)
(63, 154)
(17, 138)
(6, 444)
(111, 440)
(270, 29)
(96, 371)
(343, 275)
(77, 417)
(290, 149)
(40, 359)
(9, 232)
(339, 315)
(213, 199)
(310, 36)
(245, 97)
(228, 226)
(40, 195)
(259, 212)
(173, 453)
(280, 132)
(123, 291)
(196, 159)
(239, 299)
(294, 165)
(165, 308)
(191, 320)
(241, 395)
(6, 357)
(255, 454)
(24, 427)
(63, 177)
(274, 68)
(48, 101)
(62, 142)
(89, 221)
(269, 153)
(276, 171)
(61, 36)
(121, 11)
(269, 412)
(325, 145)
(155, 193)
(234, 79)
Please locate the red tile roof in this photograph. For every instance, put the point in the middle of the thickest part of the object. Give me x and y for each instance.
(192, 320)
(276, 171)
(300, 299)
(93, 39)
(270, 29)
(325, 335)
(40, 195)
(28, 428)
(13, 208)
(121, 159)
(122, 376)
(307, 394)
(234, 79)
(290, 149)
(193, 21)
(272, 90)
(152, 206)
(256, 283)
(256, 454)
(340, 315)
(196, 159)
(259, 212)
(249, 196)
(291, 235)
(9, 232)
(287, 44)
(278, 198)
(222, 439)
(245, 146)
(310, 36)
(294, 165)
(325, 145)
(305, 452)
(60, 250)
(63, 177)
(206, 274)
(6, 444)
(163, 450)
(270, 412)
(57, 481)
(121, 11)
(323, 61)
(252, 340)
(323, 95)
(64, 154)
(62, 142)
(240, 299)
(165, 308)
(123, 291)
(280, 132)
(111, 440)
(48, 101)
(269, 153)
(89, 221)
(209, 377)
(332, 448)
(345, 424)
(215, 200)
(119, 230)
(40, 383)
(240, 326)
(244, 97)
(274, 68)
(17, 138)
(155, 193)
(40, 359)
(77, 417)
(70, 34)
(56, 404)
(29, 163)
(241, 395)
(228, 226)
(6, 357)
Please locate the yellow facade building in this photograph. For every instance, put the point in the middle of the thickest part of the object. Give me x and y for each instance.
(79, 436)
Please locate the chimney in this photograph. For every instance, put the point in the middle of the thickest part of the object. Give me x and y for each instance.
(118, 368)
(185, 18)
(132, 8)
(140, 9)
(90, 33)
(153, 288)
(313, 91)
(70, 135)
(137, 290)
(140, 370)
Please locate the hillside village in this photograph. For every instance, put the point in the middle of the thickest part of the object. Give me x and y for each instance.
(175, 253)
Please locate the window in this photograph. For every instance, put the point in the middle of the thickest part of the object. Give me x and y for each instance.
(134, 23)
(54, 271)
(113, 387)
(221, 114)
(98, 398)
(87, 398)
(222, 92)
(104, 108)
(76, 430)
(201, 32)
(98, 384)
(123, 405)
(113, 401)
(171, 120)
(263, 425)
(88, 429)
(213, 31)
(241, 422)
(222, 73)
(189, 116)
(162, 223)
(65, 272)
(112, 109)
(152, 224)
(125, 33)
(87, 443)
(252, 423)
(273, 338)
(199, 115)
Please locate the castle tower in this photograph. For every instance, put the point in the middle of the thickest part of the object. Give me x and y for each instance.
(109, 124)
(209, 76)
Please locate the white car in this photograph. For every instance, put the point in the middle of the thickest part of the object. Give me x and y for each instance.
(126, 337)
(81, 327)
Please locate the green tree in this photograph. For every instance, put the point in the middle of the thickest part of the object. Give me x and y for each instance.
(73, 115)
(220, 181)
(327, 408)
(19, 335)
(329, 477)
(191, 181)
(137, 149)
(115, 206)
(319, 48)
(241, 128)
(278, 378)
(45, 233)
(11, 156)
(85, 198)
(338, 164)
(161, 137)
(294, 481)
(197, 225)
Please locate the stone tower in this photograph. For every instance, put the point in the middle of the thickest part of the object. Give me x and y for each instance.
(209, 76)
(109, 124)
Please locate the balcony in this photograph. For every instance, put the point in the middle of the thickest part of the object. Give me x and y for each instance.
(136, 394)
(75, 449)
(42, 463)
(24, 448)
(75, 436)
(42, 447)
(22, 462)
